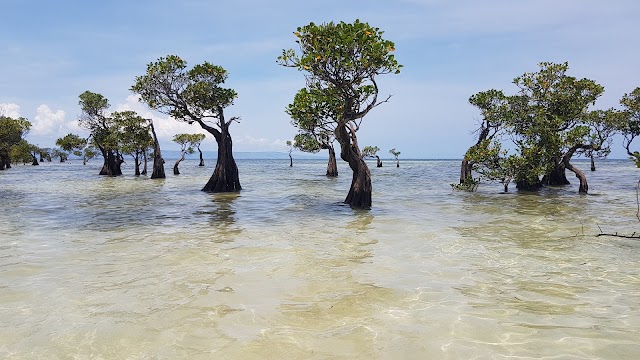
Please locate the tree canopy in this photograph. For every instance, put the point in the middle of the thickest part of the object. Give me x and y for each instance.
(194, 95)
(72, 143)
(341, 62)
(12, 133)
(629, 125)
(549, 122)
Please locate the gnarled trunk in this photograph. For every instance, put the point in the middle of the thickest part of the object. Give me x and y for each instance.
(360, 192)
(158, 161)
(225, 176)
(593, 164)
(175, 166)
(5, 162)
(584, 187)
(557, 176)
(201, 158)
(35, 160)
(136, 161)
(290, 160)
(379, 162)
(566, 162)
(397, 163)
(332, 165)
(465, 171)
(112, 162)
(144, 162)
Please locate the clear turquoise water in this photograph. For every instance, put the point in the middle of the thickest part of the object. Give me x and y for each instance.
(115, 268)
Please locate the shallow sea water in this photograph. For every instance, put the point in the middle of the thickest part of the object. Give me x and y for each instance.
(94, 267)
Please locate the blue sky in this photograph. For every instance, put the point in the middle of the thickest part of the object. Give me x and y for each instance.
(52, 51)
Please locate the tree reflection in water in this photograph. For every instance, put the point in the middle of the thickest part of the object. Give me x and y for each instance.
(221, 215)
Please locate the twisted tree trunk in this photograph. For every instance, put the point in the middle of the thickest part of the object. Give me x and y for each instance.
(379, 162)
(144, 166)
(465, 171)
(584, 187)
(201, 158)
(5, 161)
(225, 176)
(158, 161)
(360, 191)
(557, 176)
(112, 162)
(332, 165)
(136, 161)
(175, 167)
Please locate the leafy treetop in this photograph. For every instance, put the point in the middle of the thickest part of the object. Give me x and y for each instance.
(370, 151)
(12, 131)
(185, 94)
(342, 61)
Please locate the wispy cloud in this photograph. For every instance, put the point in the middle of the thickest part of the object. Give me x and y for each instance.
(10, 110)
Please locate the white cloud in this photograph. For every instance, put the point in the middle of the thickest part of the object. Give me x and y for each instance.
(10, 110)
(47, 121)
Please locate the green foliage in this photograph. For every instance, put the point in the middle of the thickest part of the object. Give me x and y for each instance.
(134, 137)
(124, 132)
(341, 61)
(370, 151)
(470, 184)
(187, 142)
(493, 163)
(89, 153)
(548, 121)
(629, 122)
(21, 152)
(342, 53)
(314, 113)
(550, 114)
(12, 131)
(307, 142)
(94, 109)
(71, 143)
(60, 153)
(394, 153)
(494, 107)
(185, 94)
(94, 117)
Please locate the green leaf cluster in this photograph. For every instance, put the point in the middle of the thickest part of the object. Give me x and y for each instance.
(395, 153)
(12, 142)
(548, 121)
(342, 53)
(185, 94)
(124, 132)
(629, 122)
(340, 62)
(12, 131)
(370, 151)
(188, 142)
